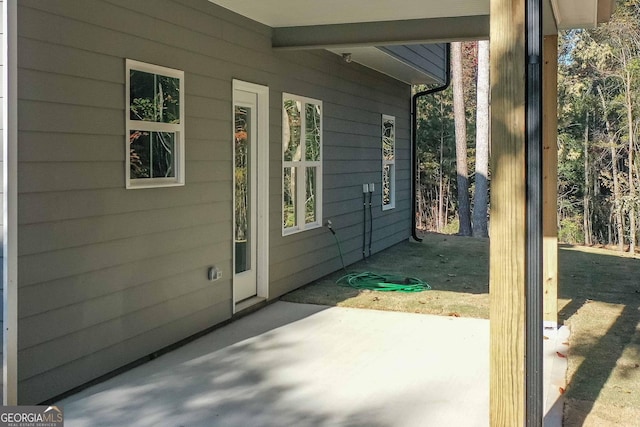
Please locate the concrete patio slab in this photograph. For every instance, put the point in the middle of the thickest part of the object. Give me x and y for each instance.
(306, 365)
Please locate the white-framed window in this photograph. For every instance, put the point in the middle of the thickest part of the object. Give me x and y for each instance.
(388, 162)
(301, 163)
(154, 126)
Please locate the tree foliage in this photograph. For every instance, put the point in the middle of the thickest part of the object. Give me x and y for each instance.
(598, 142)
(599, 82)
(438, 200)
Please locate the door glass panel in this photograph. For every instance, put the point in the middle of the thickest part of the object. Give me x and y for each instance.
(242, 203)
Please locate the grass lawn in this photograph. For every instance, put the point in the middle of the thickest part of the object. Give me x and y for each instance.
(599, 298)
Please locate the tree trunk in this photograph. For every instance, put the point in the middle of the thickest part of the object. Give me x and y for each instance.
(421, 200)
(446, 205)
(482, 143)
(441, 177)
(440, 194)
(464, 208)
(586, 214)
(617, 196)
(632, 191)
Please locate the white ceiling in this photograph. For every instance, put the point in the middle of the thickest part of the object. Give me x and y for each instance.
(290, 13)
(294, 13)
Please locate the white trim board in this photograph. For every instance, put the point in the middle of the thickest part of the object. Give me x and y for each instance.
(10, 199)
(263, 189)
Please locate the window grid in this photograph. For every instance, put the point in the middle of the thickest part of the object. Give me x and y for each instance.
(169, 135)
(304, 176)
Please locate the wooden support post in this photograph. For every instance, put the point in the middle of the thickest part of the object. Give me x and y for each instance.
(550, 178)
(507, 270)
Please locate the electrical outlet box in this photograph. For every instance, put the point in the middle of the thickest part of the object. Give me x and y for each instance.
(213, 273)
(372, 186)
(365, 188)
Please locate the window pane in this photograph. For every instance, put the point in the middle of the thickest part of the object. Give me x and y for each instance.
(310, 201)
(162, 154)
(140, 154)
(312, 132)
(289, 198)
(168, 99)
(141, 92)
(386, 185)
(291, 123)
(388, 139)
(153, 97)
(243, 189)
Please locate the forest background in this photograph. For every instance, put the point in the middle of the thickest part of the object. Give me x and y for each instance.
(598, 138)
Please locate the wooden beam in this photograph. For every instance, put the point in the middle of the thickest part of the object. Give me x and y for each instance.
(508, 231)
(550, 178)
(411, 31)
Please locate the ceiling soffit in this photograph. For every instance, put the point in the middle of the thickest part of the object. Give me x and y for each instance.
(340, 24)
(293, 13)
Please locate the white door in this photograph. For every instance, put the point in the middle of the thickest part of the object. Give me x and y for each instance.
(250, 143)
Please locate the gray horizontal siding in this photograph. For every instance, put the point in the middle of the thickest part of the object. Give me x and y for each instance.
(88, 331)
(47, 237)
(78, 260)
(118, 354)
(69, 290)
(62, 205)
(109, 275)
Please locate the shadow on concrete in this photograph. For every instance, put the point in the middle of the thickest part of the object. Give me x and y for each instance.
(210, 382)
(297, 365)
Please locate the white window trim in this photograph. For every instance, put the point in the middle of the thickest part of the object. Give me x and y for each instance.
(177, 128)
(392, 166)
(301, 166)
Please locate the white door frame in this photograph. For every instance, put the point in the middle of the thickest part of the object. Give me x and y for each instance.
(262, 209)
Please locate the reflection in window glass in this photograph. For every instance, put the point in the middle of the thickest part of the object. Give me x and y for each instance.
(162, 150)
(151, 154)
(292, 129)
(289, 198)
(142, 88)
(154, 98)
(154, 125)
(310, 202)
(301, 163)
(388, 161)
(386, 185)
(242, 203)
(388, 138)
(312, 132)
(140, 154)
